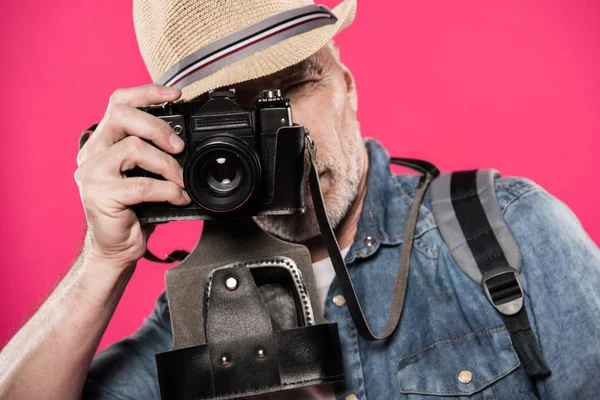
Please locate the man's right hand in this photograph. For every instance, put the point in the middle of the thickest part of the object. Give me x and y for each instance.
(114, 233)
(64, 333)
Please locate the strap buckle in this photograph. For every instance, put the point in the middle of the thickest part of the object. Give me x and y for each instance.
(503, 288)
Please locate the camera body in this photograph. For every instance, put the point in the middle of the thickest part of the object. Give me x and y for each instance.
(236, 162)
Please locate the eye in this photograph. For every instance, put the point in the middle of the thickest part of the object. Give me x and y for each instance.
(299, 85)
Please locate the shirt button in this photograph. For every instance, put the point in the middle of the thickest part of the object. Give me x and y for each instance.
(465, 376)
(351, 396)
(369, 241)
(339, 300)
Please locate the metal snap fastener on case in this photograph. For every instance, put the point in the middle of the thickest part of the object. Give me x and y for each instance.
(369, 241)
(231, 283)
(260, 353)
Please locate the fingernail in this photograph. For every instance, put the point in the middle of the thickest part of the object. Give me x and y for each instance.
(187, 196)
(170, 91)
(176, 142)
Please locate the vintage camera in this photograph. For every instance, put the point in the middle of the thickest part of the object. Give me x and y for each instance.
(236, 162)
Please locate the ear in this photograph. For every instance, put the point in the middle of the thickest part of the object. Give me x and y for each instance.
(348, 77)
(350, 87)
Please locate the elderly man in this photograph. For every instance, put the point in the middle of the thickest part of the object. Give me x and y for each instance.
(450, 343)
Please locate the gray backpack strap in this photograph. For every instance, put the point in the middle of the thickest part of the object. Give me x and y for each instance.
(443, 212)
(470, 220)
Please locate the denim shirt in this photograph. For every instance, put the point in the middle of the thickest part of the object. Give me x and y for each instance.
(447, 325)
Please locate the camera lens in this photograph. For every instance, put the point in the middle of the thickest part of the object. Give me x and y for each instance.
(222, 173)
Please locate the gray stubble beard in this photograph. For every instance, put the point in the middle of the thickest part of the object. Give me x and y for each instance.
(299, 228)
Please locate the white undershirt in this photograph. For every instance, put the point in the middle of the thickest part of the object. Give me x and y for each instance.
(324, 273)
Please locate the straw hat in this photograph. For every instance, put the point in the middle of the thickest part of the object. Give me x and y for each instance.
(173, 34)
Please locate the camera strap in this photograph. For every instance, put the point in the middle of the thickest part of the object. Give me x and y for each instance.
(429, 172)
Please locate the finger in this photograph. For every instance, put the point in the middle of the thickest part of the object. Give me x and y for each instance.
(123, 120)
(133, 152)
(145, 95)
(138, 96)
(137, 190)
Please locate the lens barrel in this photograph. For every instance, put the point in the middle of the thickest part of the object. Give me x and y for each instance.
(222, 174)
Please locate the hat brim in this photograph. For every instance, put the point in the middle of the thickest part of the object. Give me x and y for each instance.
(274, 58)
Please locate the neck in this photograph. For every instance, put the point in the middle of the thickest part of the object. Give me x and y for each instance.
(347, 228)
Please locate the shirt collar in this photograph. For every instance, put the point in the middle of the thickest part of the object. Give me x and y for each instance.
(386, 206)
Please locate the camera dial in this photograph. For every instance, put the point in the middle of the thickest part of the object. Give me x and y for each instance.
(270, 94)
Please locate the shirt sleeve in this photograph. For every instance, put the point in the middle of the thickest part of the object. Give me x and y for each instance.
(126, 370)
(561, 276)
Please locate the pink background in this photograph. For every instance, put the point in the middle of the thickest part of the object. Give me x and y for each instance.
(509, 84)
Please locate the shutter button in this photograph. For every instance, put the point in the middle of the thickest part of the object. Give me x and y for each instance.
(465, 376)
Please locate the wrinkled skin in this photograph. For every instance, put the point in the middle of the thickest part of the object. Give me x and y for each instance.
(323, 99)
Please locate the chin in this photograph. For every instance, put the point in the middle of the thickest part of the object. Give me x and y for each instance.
(296, 228)
(338, 194)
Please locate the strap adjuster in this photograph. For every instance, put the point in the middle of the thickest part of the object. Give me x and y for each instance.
(504, 289)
